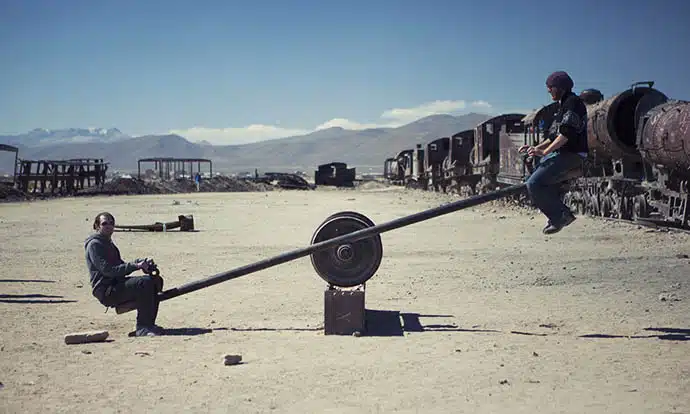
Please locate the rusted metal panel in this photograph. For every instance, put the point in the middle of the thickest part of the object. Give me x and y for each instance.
(405, 163)
(335, 174)
(169, 167)
(611, 123)
(487, 139)
(344, 311)
(664, 138)
(511, 138)
(436, 151)
(59, 176)
(458, 160)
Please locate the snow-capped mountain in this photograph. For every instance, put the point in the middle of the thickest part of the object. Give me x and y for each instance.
(42, 137)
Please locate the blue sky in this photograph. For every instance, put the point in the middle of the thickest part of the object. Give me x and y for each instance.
(240, 71)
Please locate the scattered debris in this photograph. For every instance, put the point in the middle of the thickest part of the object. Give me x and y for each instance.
(183, 222)
(284, 180)
(85, 337)
(122, 186)
(668, 297)
(142, 353)
(232, 359)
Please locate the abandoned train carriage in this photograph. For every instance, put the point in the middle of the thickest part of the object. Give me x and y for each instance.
(488, 136)
(436, 151)
(399, 166)
(457, 166)
(335, 174)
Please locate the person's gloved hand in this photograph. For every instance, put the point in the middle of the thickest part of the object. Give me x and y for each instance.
(142, 264)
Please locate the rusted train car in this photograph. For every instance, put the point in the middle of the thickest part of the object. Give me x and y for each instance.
(335, 174)
(638, 165)
(457, 166)
(502, 134)
(639, 159)
(436, 151)
(395, 168)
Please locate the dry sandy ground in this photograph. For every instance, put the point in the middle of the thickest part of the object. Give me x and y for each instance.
(496, 315)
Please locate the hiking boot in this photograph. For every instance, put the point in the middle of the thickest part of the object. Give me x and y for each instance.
(551, 228)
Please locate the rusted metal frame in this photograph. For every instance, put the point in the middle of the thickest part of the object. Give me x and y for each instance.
(183, 222)
(159, 162)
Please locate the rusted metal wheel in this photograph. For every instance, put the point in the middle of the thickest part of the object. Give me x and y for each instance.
(348, 264)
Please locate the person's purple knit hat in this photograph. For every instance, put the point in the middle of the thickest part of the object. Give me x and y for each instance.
(561, 80)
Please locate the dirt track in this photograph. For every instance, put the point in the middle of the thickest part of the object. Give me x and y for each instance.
(496, 315)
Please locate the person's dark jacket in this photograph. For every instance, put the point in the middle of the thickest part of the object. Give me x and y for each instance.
(104, 263)
(571, 121)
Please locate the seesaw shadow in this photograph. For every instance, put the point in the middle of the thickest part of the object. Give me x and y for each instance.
(23, 299)
(8, 298)
(388, 323)
(396, 323)
(384, 323)
(669, 334)
(26, 281)
(30, 295)
(184, 331)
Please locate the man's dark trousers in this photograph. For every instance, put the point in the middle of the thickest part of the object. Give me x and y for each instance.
(142, 290)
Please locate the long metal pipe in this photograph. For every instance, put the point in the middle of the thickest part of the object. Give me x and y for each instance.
(346, 238)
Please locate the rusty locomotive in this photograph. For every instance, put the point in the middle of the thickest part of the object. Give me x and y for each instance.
(638, 166)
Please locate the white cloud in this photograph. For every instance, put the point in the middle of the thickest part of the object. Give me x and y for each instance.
(235, 136)
(391, 118)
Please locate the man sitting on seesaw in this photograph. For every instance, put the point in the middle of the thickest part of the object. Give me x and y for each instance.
(109, 281)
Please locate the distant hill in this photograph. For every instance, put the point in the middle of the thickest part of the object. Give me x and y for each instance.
(359, 148)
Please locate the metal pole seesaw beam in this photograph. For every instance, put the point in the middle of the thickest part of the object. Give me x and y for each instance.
(346, 249)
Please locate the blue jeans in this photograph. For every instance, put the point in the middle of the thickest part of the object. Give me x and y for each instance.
(544, 184)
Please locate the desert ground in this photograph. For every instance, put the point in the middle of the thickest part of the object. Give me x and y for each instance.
(495, 316)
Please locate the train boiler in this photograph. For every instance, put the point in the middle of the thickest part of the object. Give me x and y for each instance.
(614, 169)
(663, 138)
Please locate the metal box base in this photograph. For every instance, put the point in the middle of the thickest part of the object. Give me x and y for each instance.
(344, 311)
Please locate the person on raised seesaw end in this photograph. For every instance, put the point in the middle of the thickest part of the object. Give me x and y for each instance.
(561, 155)
(108, 277)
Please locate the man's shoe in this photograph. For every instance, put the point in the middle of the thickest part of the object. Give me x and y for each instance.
(146, 331)
(550, 228)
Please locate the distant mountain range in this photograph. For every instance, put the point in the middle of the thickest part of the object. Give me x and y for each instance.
(365, 149)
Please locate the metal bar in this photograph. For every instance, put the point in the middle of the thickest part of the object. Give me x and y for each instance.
(351, 237)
